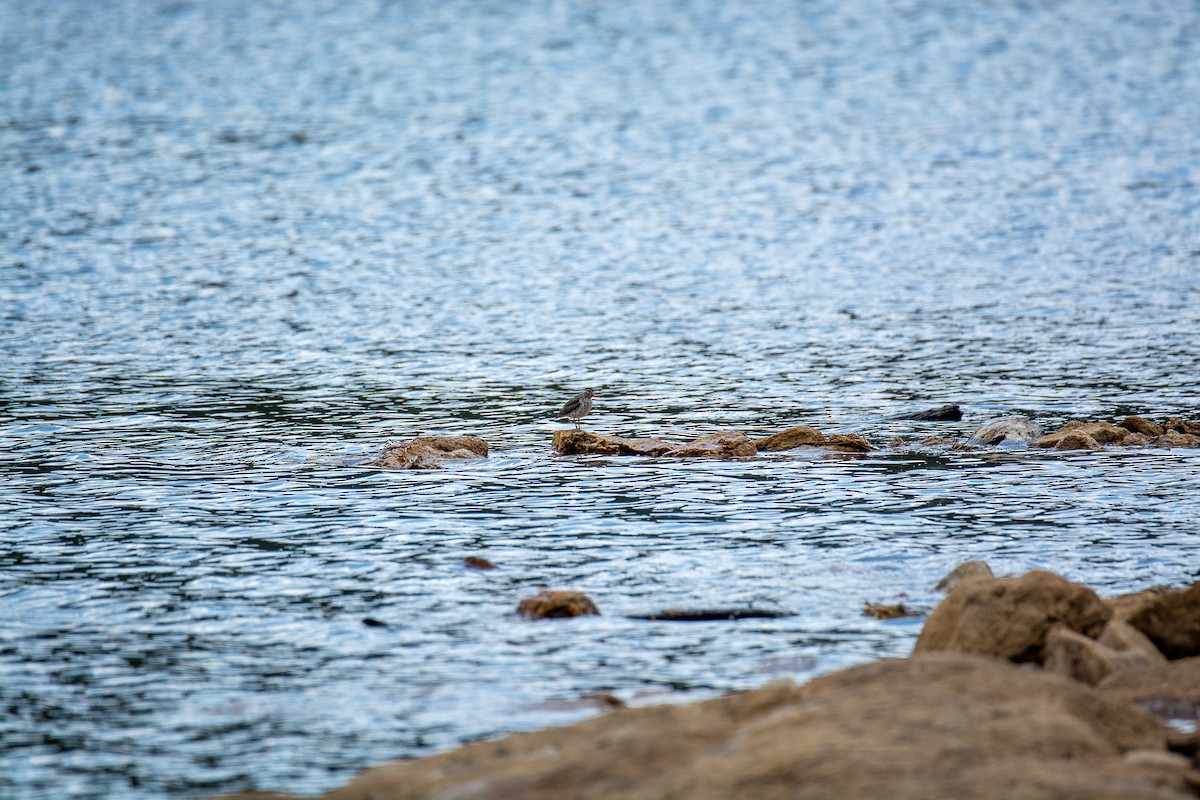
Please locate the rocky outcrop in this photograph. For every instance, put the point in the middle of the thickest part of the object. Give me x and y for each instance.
(1141, 425)
(1171, 689)
(1006, 430)
(726, 444)
(935, 726)
(429, 452)
(1171, 621)
(1089, 660)
(548, 604)
(573, 442)
(1132, 431)
(1010, 617)
(791, 438)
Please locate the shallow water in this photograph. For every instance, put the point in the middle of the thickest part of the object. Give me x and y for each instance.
(244, 246)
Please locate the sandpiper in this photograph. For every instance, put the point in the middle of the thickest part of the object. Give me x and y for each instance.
(577, 407)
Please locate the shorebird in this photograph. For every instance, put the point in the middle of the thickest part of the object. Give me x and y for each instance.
(577, 407)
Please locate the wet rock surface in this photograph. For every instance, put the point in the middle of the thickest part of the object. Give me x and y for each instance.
(548, 604)
(1010, 617)
(429, 452)
(1006, 430)
(943, 725)
(723, 444)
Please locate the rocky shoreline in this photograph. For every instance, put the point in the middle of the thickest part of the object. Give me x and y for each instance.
(1028, 686)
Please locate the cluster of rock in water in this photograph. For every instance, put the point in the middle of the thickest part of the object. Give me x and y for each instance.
(430, 452)
(1028, 686)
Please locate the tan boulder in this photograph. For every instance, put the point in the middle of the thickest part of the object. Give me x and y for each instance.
(548, 604)
(1077, 440)
(1172, 622)
(1087, 660)
(1082, 436)
(799, 436)
(428, 452)
(1126, 605)
(1174, 438)
(848, 443)
(1123, 637)
(1135, 439)
(726, 444)
(939, 726)
(1135, 424)
(571, 442)
(1186, 426)
(1010, 617)
(1171, 690)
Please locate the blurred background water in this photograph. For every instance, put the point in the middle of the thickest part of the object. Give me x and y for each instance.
(245, 244)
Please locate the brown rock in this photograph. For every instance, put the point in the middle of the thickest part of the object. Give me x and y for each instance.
(547, 604)
(1124, 638)
(1174, 438)
(1077, 440)
(571, 442)
(1076, 656)
(799, 436)
(1135, 439)
(939, 726)
(847, 443)
(1141, 425)
(1179, 425)
(1171, 689)
(1010, 617)
(476, 562)
(1126, 605)
(938, 441)
(967, 569)
(1172, 622)
(726, 444)
(428, 452)
(1079, 432)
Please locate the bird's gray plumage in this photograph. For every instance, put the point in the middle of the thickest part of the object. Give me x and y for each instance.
(578, 406)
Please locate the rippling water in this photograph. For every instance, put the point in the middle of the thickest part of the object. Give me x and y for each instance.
(246, 244)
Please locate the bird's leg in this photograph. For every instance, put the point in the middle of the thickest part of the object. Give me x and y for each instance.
(576, 424)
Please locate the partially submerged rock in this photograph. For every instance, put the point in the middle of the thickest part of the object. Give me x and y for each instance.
(791, 438)
(1076, 440)
(478, 562)
(1006, 430)
(1141, 425)
(937, 726)
(947, 413)
(726, 444)
(1010, 617)
(847, 443)
(723, 444)
(428, 452)
(1171, 621)
(548, 604)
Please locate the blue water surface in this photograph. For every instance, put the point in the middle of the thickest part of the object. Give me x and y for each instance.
(246, 244)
